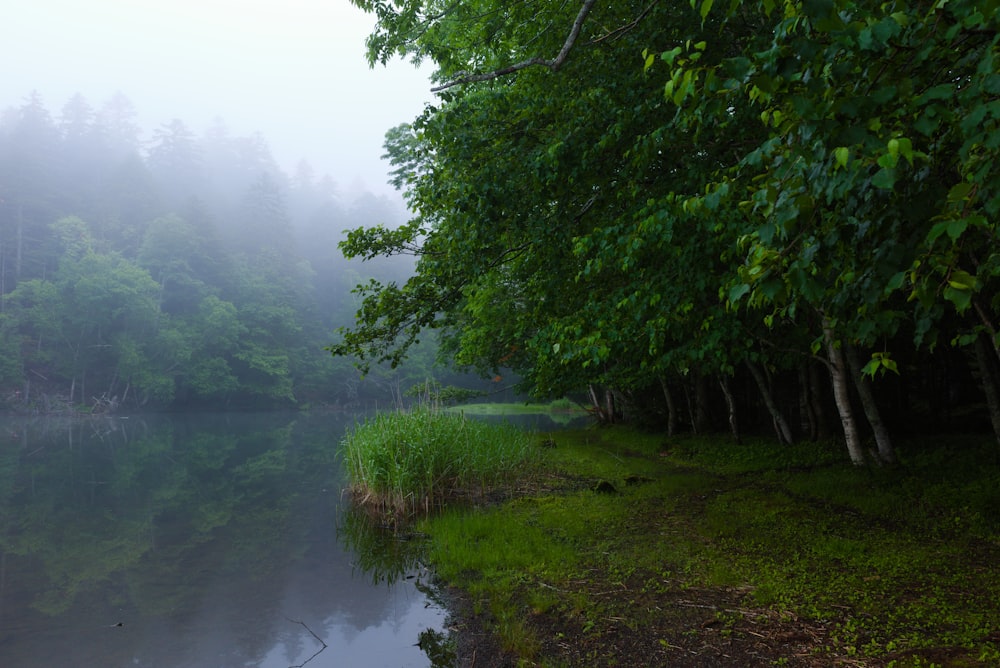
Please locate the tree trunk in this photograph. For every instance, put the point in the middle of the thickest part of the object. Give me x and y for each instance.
(988, 378)
(19, 241)
(838, 378)
(671, 408)
(886, 452)
(599, 408)
(691, 410)
(781, 426)
(701, 402)
(987, 321)
(595, 404)
(731, 405)
(818, 396)
(808, 420)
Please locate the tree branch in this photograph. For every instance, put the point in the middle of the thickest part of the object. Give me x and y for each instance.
(553, 64)
(618, 32)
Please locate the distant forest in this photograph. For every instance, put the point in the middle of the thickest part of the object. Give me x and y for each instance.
(183, 271)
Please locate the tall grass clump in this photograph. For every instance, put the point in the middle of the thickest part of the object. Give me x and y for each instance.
(405, 462)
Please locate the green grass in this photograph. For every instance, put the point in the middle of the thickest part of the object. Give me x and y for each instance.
(889, 567)
(401, 463)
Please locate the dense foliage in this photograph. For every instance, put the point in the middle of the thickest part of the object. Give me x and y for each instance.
(185, 271)
(698, 209)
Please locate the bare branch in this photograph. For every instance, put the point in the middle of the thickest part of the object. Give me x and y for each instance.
(553, 64)
(618, 32)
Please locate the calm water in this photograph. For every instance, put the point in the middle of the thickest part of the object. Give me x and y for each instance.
(207, 540)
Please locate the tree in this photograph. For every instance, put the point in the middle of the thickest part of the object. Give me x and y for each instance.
(28, 167)
(114, 281)
(868, 160)
(117, 127)
(818, 179)
(173, 252)
(82, 158)
(176, 162)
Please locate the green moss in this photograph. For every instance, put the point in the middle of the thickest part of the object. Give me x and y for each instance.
(889, 562)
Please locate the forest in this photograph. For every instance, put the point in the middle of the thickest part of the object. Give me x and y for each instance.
(777, 217)
(174, 272)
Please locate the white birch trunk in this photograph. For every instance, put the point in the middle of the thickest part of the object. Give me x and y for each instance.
(731, 406)
(781, 426)
(886, 451)
(838, 378)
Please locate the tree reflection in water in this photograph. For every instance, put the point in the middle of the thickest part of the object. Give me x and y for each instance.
(202, 535)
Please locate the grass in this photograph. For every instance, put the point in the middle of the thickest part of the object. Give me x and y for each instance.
(405, 462)
(719, 544)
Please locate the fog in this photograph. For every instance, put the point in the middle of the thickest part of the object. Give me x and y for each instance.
(294, 71)
(161, 246)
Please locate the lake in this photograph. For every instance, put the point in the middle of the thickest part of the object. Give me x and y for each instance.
(211, 540)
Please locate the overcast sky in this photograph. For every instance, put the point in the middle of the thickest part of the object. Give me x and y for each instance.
(293, 70)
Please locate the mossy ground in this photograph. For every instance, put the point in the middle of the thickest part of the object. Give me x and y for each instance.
(707, 553)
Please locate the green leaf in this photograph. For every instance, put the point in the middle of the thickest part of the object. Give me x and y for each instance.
(959, 192)
(962, 280)
(939, 92)
(904, 147)
(893, 147)
(961, 298)
(842, 154)
(896, 282)
(956, 227)
(671, 55)
(880, 363)
(888, 161)
(737, 292)
(706, 7)
(884, 179)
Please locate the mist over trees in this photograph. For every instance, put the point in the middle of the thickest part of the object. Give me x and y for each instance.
(760, 215)
(183, 271)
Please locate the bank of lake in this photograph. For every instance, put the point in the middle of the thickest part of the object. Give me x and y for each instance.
(627, 548)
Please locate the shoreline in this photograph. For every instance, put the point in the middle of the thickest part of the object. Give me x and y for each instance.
(628, 550)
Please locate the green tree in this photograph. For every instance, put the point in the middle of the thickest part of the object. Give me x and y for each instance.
(637, 193)
(176, 161)
(29, 145)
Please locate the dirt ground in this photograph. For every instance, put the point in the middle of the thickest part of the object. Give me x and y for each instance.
(696, 628)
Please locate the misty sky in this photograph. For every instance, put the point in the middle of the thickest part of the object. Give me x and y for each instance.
(292, 69)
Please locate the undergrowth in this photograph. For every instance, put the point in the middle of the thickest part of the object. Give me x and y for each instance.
(876, 567)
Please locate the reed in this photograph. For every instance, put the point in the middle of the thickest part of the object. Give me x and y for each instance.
(408, 462)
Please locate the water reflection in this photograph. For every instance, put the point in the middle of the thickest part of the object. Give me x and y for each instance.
(383, 555)
(198, 541)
